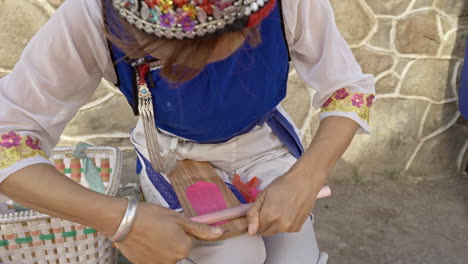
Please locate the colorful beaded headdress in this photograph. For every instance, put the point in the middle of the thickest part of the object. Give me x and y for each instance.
(187, 19)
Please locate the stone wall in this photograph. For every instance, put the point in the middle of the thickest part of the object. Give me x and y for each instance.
(413, 47)
(415, 50)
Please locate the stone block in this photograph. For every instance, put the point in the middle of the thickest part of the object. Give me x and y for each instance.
(454, 8)
(417, 34)
(423, 3)
(429, 78)
(99, 95)
(439, 115)
(352, 20)
(389, 7)
(387, 84)
(446, 24)
(455, 44)
(20, 21)
(100, 140)
(381, 38)
(119, 142)
(401, 65)
(297, 100)
(113, 116)
(395, 124)
(439, 154)
(373, 62)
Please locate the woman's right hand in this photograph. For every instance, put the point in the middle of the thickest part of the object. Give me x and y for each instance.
(162, 236)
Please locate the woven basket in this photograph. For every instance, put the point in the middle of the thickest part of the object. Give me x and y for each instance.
(34, 238)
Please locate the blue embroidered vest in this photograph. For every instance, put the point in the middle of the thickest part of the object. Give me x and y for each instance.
(228, 97)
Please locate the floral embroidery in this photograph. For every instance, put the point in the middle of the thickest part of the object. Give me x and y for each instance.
(32, 143)
(357, 100)
(165, 5)
(327, 102)
(151, 3)
(10, 140)
(153, 16)
(180, 2)
(167, 20)
(207, 16)
(341, 94)
(187, 24)
(207, 6)
(14, 147)
(183, 17)
(370, 100)
(190, 11)
(344, 101)
(180, 15)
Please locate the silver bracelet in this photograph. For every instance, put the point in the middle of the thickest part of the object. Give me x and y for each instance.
(127, 220)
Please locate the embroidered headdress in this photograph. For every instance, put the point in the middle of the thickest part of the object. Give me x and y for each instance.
(187, 19)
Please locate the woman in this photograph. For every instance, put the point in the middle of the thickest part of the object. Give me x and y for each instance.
(216, 98)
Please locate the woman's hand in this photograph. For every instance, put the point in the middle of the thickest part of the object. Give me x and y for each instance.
(162, 236)
(287, 202)
(284, 205)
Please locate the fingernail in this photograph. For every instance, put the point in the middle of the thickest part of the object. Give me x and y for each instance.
(251, 229)
(217, 230)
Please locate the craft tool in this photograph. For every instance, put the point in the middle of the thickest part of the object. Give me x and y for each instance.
(240, 211)
(202, 192)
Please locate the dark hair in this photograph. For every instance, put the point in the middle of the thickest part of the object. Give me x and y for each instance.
(187, 57)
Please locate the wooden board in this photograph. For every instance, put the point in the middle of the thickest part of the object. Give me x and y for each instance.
(188, 172)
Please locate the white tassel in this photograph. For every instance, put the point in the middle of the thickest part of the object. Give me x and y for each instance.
(162, 163)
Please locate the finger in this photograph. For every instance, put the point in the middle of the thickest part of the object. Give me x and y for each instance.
(201, 231)
(253, 215)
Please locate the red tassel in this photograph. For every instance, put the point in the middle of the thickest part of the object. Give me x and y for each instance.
(143, 70)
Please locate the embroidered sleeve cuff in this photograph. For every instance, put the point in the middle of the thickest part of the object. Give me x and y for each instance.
(352, 105)
(16, 150)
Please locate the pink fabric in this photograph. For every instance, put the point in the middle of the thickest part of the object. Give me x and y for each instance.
(206, 198)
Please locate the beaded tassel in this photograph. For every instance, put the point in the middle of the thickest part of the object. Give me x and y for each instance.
(166, 163)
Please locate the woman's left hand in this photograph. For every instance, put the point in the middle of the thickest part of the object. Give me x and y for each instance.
(284, 205)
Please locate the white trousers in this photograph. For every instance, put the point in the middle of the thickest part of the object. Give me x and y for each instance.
(258, 153)
(283, 248)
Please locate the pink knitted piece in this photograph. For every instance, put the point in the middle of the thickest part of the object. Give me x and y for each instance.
(206, 198)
